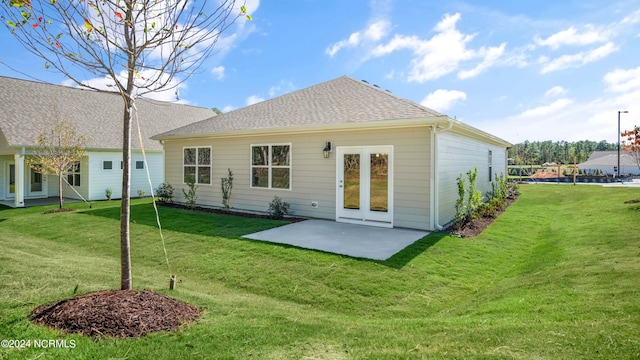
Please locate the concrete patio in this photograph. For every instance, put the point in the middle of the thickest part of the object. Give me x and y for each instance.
(357, 241)
(39, 202)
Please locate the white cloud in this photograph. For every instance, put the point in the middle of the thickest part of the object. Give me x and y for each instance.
(621, 80)
(254, 99)
(632, 18)
(491, 56)
(283, 87)
(555, 91)
(572, 36)
(443, 53)
(218, 72)
(544, 110)
(144, 85)
(441, 100)
(228, 108)
(573, 120)
(375, 32)
(581, 58)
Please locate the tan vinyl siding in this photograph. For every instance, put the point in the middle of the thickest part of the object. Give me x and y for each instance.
(457, 155)
(313, 177)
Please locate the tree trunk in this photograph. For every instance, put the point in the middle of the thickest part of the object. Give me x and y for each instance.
(60, 189)
(125, 215)
(125, 253)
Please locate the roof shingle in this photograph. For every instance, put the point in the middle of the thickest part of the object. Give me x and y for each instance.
(27, 107)
(338, 101)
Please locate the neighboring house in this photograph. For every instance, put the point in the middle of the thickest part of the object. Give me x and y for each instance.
(607, 163)
(27, 109)
(342, 150)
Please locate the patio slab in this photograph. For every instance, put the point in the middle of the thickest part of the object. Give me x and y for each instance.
(358, 241)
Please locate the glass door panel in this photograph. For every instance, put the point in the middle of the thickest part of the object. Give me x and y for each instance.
(36, 181)
(379, 182)
(351, 181)
(12, 178)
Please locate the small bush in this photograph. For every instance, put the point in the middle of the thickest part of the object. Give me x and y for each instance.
(142, 193)
(165, 192)
(278, 208)
(190, 195)
(226, 185)
(108, 193)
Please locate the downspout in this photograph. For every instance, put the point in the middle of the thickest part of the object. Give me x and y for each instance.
(435, 174)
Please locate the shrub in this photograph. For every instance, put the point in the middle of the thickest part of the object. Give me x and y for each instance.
(190, 195)
(278, 208)
(475, 196)
(165, 192)
(108, 193)
(142, 193)
(461, 205)
(227, 185)
(513, 190)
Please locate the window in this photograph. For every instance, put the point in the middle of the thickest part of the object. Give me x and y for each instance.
(490, 165)
(73, 175)
(197, 163)
(271, 166)
(139, 165)
(107, 165)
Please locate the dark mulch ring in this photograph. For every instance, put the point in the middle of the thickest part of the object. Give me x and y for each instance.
(118, 313)
(58, 210)
(476, 226)
(228, 212)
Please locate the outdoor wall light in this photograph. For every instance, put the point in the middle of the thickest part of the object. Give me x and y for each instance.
(327, 150)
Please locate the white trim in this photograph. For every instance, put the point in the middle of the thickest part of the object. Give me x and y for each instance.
(10, 195)
(364, 215)
(196, 164)
(44, 187)
(271, 167)
(104, 161)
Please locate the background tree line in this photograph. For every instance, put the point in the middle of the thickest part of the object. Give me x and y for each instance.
(539, 152)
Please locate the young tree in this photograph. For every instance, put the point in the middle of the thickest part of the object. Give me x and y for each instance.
(140, 46)
(59, 149)
(631, 143)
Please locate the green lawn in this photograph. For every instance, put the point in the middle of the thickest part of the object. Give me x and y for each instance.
(557, 276)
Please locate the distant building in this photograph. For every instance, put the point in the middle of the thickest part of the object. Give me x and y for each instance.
(607, 162)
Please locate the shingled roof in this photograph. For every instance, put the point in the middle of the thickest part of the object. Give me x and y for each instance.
(27, 107)
(609, 158)
(340, 101)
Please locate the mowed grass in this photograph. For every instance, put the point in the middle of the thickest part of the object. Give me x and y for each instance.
(557, 276)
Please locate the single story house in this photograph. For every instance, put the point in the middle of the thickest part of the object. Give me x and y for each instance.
(27, 109)
(606, 162)
(343, 150)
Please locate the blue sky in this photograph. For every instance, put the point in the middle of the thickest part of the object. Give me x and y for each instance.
(522, 70)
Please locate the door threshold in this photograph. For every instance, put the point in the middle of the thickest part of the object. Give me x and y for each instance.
(366, 222)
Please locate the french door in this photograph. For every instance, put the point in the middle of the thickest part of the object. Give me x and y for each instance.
(365, 185)
(11, 184)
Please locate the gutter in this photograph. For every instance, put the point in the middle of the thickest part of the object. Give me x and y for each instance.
(435, 174)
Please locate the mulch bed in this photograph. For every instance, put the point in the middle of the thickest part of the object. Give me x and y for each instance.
(58, 210)
(117, 313)
(476, 226)
(228, 212)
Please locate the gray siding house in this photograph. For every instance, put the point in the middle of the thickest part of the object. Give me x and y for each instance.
(607, 163)
(342, 150)
(27, 109)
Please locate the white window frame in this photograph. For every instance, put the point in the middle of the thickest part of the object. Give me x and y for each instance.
(107, 161)
(490, 166)
(270, 167)
(196, 165)
(73, 174)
